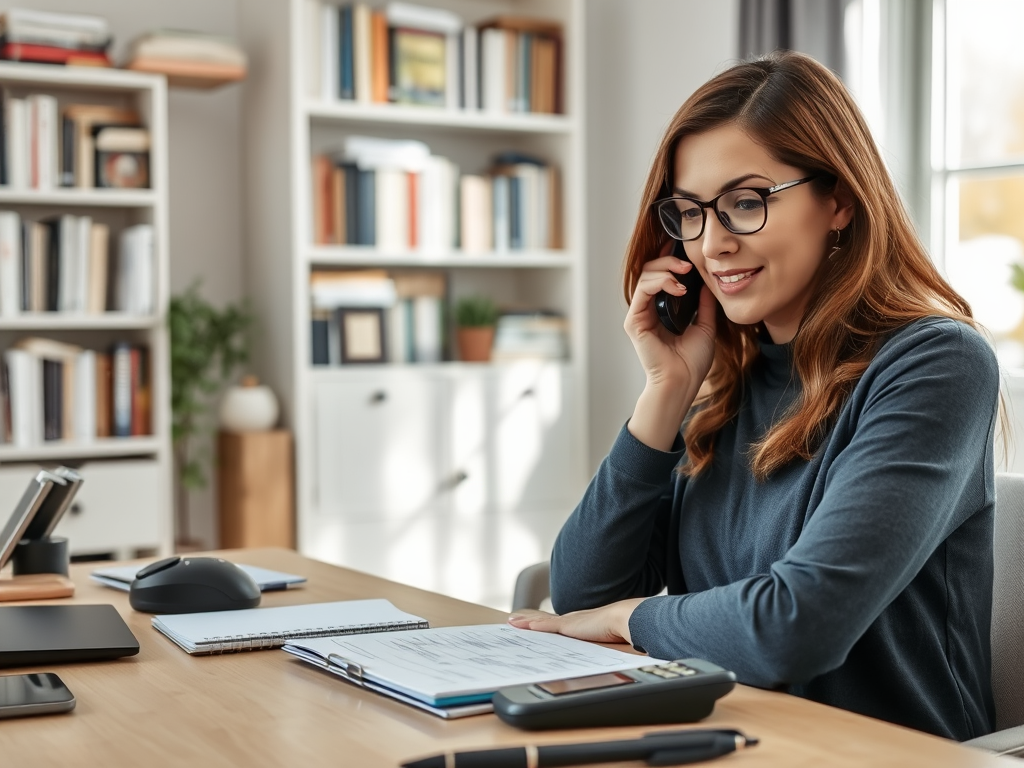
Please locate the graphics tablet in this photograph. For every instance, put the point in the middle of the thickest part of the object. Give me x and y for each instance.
(56, 634)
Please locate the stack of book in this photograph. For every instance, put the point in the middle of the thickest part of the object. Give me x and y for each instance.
(87, 145)
(411, 54)
(531, 335)
(51, 390)
(64, 264)
(393, 195)
(396, 196)
(188, 59)
(375, 316)
(54, 38)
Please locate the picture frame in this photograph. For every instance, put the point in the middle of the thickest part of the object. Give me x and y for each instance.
(361, 335)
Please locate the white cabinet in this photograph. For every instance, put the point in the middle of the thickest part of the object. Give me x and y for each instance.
(378, 445)
(452, 481)
(117, 509)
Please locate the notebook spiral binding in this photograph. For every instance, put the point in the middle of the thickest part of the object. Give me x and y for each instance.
(264, 641)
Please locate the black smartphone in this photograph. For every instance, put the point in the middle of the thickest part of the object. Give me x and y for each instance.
(40, 693)
(676, 312)
(56, 503)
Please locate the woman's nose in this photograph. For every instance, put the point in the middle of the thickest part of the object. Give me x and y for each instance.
(716, 239)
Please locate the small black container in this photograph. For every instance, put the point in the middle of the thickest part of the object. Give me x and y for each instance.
(49, 555)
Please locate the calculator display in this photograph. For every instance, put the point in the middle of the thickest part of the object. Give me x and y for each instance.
(607, 680)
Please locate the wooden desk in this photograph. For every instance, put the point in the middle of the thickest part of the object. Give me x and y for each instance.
(166, 708)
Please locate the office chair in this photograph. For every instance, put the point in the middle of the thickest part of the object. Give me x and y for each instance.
(533, 585)
(1007, 620)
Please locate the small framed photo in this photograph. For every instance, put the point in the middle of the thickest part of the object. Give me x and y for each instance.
(361, 332)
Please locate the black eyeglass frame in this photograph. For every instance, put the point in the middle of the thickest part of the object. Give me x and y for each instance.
(763, 192)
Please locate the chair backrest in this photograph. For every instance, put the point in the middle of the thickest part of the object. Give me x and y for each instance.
(533, 584)
(1008, 602)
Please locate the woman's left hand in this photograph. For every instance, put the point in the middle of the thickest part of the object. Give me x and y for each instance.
(608, 624)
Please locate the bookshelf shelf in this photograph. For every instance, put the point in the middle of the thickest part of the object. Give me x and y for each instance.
(393, 114)
(74, 78)
(125, 527)
(55, 321)
(60, 450)
(354, 256)
(116, 198)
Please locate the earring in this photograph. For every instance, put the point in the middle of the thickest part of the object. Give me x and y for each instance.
(835, 247)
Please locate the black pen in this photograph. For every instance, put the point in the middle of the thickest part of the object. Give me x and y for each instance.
(662, 748)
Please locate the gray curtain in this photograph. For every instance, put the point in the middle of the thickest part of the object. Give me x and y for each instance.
(814, 27)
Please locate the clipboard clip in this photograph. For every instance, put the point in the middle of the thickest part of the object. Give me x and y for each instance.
(344, 668)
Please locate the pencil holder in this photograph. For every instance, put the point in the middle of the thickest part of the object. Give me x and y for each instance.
(48, 555)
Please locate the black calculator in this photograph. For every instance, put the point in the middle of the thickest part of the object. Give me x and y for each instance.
(681, 691)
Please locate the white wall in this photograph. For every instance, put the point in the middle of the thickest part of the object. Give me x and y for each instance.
(204, 161)
(644, 57)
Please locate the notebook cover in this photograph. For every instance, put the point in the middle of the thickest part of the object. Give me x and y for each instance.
(57, 634)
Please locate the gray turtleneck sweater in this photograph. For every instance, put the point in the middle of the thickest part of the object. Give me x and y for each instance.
(861, 578)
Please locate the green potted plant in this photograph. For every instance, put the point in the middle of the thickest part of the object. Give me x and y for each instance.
(475, 318)
(207, 346)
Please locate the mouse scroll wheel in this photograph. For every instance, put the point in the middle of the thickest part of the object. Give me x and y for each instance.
(156, 567)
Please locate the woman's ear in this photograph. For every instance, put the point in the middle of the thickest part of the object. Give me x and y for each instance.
(844, 206)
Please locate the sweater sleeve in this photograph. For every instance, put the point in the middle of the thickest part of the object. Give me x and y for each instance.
(911, 473)
(614, 545)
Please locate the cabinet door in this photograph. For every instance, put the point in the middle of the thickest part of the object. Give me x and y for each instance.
(116, 508)
(378, 446)
(531, 439)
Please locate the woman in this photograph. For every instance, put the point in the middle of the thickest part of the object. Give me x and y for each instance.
(809, 468)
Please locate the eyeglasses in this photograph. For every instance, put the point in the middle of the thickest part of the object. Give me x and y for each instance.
(742, 211)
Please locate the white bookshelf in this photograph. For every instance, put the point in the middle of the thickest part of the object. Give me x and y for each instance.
(465, 471)
(125, 506)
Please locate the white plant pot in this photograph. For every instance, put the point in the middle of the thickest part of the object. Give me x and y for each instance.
(250, 407)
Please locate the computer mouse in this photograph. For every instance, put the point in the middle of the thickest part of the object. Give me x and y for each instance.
(192, 585)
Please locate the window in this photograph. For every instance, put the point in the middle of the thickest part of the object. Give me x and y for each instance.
(977, 163)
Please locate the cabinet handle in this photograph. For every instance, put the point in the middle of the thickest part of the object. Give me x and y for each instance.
(459, 477)
(528, 392)
(378, 397)
(75, 509)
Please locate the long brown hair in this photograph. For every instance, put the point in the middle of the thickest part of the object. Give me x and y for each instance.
(881, 280)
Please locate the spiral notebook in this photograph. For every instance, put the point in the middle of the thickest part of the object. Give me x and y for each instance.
(256, 629)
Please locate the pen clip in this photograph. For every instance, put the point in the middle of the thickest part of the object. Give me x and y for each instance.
(343, 667)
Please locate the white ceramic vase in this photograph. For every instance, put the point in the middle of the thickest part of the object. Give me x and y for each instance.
(248, 407)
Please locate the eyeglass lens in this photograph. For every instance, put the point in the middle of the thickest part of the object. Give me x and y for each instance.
(741, 211)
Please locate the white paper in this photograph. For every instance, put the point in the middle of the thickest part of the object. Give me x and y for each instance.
(446, 662)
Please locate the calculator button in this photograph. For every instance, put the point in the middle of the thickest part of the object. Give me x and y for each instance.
(648, 669)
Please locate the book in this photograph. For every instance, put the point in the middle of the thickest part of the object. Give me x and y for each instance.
(10, 264)
(454, 671)
(68, 30)
(419, 62)
(51, 54)
(329, 52)
(262, 628)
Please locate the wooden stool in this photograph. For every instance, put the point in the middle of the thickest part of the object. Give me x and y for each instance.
(256, 489)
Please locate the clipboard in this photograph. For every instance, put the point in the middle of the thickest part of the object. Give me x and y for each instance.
(351, 672)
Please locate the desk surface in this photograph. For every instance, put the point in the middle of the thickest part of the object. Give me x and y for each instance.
(263, 708)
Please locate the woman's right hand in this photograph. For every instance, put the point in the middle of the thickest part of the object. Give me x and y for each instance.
(675, 366)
